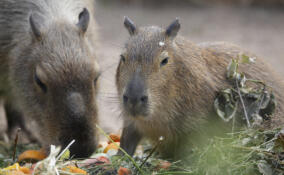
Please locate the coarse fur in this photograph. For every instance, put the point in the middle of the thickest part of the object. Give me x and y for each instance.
(180, 91)
(48, 68)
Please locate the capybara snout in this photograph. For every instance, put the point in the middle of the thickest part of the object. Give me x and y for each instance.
(135, 97)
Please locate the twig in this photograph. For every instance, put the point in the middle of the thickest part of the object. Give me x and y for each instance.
(243, 104)
(125, 153)
(76, 164)
(15, 144)
(152, 151)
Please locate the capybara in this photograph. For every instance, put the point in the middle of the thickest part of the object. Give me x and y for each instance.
(48, 69)
(167, 85)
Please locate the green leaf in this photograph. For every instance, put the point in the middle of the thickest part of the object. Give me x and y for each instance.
(219, 112)
(245, 90)
(65, 155)
(245, 59)
(229, 110)
(232, 69)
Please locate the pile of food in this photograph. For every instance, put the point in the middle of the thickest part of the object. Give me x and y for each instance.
(103, 161)
(250, 151)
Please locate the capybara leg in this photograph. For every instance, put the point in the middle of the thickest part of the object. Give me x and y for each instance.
(129, 139)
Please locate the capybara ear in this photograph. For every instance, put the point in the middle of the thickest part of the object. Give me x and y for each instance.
(173, 29)
(130, 26)
(84, 18)
(35, 27)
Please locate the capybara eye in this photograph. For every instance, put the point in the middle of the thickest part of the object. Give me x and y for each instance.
(164, 61)
(40, 84)
(122, 58)
(96, 79)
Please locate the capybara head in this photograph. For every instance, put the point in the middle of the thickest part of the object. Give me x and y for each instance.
(147, 69)
(58, 82)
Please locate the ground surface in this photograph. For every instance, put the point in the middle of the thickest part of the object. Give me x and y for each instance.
(260, 30)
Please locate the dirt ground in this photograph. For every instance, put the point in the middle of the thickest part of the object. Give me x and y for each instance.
(257, 29)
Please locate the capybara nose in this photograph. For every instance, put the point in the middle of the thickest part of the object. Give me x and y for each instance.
(125, 99)
(135, 100)
(144, 99)
(135, 104)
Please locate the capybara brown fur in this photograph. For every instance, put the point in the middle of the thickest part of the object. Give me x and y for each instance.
(48, 69)
(167, 85)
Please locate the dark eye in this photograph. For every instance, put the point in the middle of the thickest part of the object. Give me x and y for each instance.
(40, 84)
(164, 61)
(96, 79)
(122, 58)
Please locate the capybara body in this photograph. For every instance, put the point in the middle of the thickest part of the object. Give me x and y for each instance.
(167, 85)
(48, 69)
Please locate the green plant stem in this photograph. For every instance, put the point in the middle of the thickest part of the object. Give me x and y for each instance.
(256, 81)
(125, 153)
(152, 151)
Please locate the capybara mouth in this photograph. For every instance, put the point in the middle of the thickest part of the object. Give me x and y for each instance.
(84, 137)
(137, 112)
(81, 148)
(135, 109)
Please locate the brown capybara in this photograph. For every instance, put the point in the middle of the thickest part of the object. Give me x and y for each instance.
(48, 69)
(167, 85)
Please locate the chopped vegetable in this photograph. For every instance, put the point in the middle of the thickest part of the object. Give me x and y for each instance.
(111, 146)
(33, 155)
(74, 169)
(123, 171)
(114, 137)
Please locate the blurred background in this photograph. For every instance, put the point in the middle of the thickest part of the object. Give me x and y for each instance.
(255, 25)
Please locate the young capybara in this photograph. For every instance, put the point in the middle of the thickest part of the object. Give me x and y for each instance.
(48, 69)
(167, 85)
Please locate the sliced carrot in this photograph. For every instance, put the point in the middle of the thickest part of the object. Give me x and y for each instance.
(111, 146)
(123, 171)
(73, 169)
(32, 155)
(25, 170)
(114, 137)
